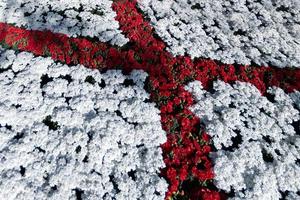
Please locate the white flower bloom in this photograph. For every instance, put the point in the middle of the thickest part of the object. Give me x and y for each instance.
(258, 146)
(74, 18)
(265, 32)
(72, 131)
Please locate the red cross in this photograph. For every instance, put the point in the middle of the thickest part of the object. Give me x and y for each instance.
(188, 168)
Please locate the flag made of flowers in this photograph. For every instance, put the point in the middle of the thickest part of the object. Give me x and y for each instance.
(149, 99)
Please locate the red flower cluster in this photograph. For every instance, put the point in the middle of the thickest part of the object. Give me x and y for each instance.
(189, 170)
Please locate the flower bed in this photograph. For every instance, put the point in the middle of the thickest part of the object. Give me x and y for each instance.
(189, 169)
(73, 18)
(243, 31)
(71, 130)
(255, 137)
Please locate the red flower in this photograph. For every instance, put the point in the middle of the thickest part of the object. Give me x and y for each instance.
(206, 149)
(185, 123)
(205, 137)
(183, 173)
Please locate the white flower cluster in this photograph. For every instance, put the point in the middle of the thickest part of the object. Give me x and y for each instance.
(257, 139)
(265, 32)
(74, 133)
(74, 18)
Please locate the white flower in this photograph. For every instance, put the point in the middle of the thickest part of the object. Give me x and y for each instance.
(64, 134)
(74, 18)
(265, 32)
(256, 140)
